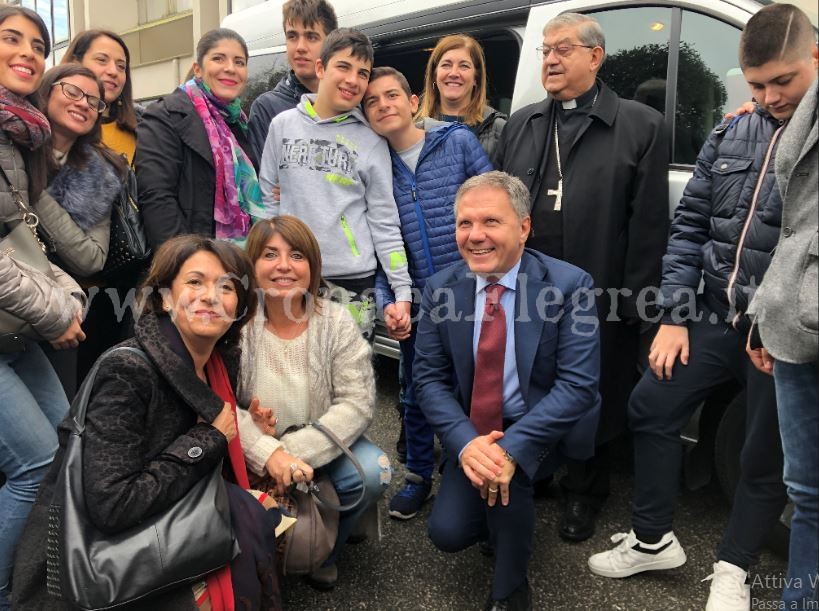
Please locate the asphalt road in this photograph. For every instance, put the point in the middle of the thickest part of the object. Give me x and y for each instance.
(403, 571)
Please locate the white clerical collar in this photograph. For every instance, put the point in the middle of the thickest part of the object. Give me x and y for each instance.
(568, 104)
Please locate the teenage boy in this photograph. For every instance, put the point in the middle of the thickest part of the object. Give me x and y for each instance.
(724, 231)
(323, 164)
(306, 24)
(428, 167)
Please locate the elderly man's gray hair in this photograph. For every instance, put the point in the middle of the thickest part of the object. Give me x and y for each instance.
(514, 188)
(588, 29)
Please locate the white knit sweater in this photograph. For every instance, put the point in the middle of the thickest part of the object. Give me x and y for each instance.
(341, 389)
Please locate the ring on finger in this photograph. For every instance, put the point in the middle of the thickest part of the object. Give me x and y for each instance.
(294, 467)
(493, 490)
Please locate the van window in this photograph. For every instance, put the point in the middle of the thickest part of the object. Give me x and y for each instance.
(264, 72)
(709, 82)
(636, 64)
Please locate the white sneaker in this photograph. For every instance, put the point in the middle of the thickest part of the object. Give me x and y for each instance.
(633, 556)
(729, 592)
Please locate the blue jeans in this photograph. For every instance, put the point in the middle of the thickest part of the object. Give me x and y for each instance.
(796, 397)
(34, 403)
(347, 482)
(420, 438)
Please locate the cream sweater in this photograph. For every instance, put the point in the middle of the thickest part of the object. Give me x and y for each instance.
(341, 389)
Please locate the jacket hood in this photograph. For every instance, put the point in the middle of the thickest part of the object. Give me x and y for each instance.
(428, 123)
(87, 194)
(305, 107)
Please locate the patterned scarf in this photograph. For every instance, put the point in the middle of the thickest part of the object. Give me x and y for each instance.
(237, 186)
(23, 123)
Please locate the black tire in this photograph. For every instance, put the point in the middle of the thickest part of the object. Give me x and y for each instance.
(727, 450)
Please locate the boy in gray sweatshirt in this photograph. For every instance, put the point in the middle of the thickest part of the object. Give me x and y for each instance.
(323, 164)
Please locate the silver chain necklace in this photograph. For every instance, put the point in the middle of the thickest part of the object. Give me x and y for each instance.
(558, 193)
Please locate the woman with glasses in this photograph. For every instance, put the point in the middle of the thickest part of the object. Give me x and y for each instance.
(106, 55)
(195, 167)
(33, 402)
(84, 178)
(455, 89)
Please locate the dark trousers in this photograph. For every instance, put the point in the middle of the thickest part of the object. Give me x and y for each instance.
(420, 438)
(658, 411)
(588, 480)
(460, 518)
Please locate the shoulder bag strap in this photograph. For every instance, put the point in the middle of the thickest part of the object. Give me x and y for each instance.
(27, 215)
(80, 404)
(332, 437)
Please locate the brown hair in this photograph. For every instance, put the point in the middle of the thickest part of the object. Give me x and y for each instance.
(170, 258)
(34, 160)
(776, 32)
(347, 38)
(310, 12)
(122, 111)
(298, 235)
(430, 98)
(78, 155)
(383, 71)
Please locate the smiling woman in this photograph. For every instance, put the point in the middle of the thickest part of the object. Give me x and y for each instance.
(455, 89)
(195, 167)
(106, 55)
(84, 178)
(33, 401)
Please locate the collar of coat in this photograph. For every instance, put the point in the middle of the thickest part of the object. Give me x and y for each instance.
(605, 109)
(87, 193)
(187, 124)
(161, 341)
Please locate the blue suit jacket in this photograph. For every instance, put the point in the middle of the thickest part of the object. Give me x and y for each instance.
(557, 352)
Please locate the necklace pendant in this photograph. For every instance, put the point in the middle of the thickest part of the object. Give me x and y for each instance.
(558, 194)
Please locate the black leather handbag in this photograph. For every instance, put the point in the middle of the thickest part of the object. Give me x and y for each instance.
(128, 246)
(93, 570)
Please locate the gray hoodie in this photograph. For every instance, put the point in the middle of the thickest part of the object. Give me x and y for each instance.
(336, 175)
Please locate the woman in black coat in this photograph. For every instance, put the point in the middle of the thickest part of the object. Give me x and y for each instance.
(154, 430)
(194, 164)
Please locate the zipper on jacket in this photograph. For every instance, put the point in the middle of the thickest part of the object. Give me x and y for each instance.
(345, 227)
(749, 219)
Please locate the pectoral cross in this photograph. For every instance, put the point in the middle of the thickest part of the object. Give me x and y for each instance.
(558, 193)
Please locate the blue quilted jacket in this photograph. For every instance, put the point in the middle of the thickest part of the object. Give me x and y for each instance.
(727, 223)
(425, 200)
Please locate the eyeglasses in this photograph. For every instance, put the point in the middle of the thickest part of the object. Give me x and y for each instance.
(72, 92)
(564, 49)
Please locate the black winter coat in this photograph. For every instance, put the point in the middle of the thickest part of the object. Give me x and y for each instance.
(615, 185)
(175, 172)
(284, 96)
(727, 224)
(141, 423)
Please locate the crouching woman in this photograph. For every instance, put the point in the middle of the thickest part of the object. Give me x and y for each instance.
(154, 429)
(304, 357)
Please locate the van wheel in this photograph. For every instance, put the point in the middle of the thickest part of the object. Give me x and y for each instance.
(727, 450)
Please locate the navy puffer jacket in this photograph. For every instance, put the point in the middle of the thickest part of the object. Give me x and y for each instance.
(425, 200)
(727, 223)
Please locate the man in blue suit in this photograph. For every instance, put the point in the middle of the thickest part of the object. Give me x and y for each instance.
(509, 391)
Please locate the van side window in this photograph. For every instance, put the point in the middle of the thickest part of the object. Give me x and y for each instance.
(636, 63)
(264, 72)
(709, 82)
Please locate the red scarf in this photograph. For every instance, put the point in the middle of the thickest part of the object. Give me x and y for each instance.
(220, 585)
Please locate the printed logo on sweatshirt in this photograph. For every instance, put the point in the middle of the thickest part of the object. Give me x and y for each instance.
(336, 160)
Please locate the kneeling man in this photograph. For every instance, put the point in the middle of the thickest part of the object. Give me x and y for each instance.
(507, 369)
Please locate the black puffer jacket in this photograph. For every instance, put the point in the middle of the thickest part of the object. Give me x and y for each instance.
(284, 96)
(727, 223)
